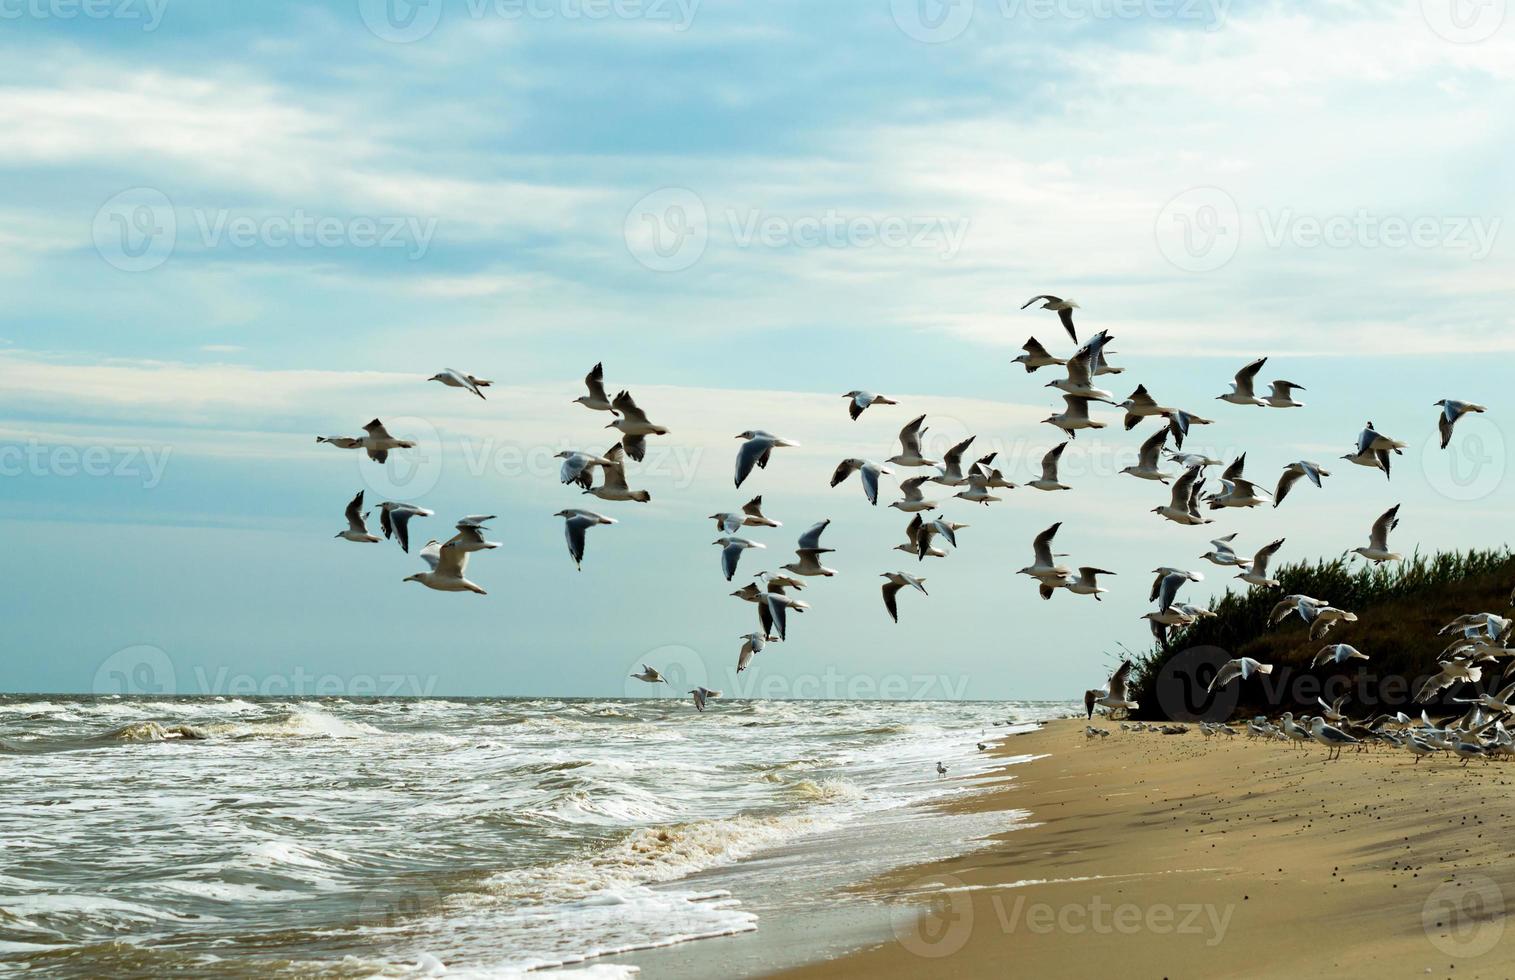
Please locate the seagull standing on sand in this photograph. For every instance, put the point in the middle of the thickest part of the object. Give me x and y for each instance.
(597, 399)
(357, 523)
(634, 426)
(575, 523)
(756, 449)
(394, 518)
(1332, 738)
(650, 675)
(897, 581)
(448, 569)
(1258, 573)
(1377, 550)
(1451, 411)
(1243, 667)
(1147, 466)
(861, 401)
(910, 445)
(457, 379)
(1062, 307)
(1036, 357)
(1048, 480)
(1293, 473)
(868, 472)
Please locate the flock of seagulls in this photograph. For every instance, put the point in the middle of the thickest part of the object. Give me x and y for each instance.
(923, 494)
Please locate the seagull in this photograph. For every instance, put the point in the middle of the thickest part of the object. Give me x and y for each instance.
(1188, 460)
(1163, 590)
(862, 400)
(1147, 466)
(1237, 492)
(1258, 573)
(456, 379)
(994, 479)
(897, 581)
(751, 516)
(951, 474)
(1044, 568)
(809, 553)
(470, 536)
(756, 450)
(1241, 392)
(1048, 480)
(1115, 695)
(578, 467)
(773, 607)
(1086, 584)
(575, 523)
(979, 482)
(378, 442)
(394, 518)
(913, 500)
(1036, 357)
(597, 399)
(1323, 618)
(700, 694)
(870, 473)
(1332, 738)
(1243, 667)
(1221, 553)
(1141, 405)
(1451, 411)
(941, 770)
(1182, 507)
(1337, 653)
(1075, 416)
(731, 552)
(614, 471)
(1080, 374)
(634, 426)
(910, 445)
(1453, 672)
(449, 566)
(1062, 307)
(1292, 475)
(1377, 550)
(357, 523)
(1373, 450)
(752, 645)
(1332, 711)
(1302, 605)
(1501, 701)
(1282, 395)
(650, 675)
(922, 532)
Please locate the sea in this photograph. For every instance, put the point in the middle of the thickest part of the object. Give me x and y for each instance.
(261, 837)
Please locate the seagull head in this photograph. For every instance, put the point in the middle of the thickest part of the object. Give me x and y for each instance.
(414, 578)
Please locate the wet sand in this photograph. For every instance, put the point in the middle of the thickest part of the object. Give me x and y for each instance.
(1182, 856)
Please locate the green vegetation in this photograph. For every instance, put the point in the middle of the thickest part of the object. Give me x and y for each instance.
(1399, 605)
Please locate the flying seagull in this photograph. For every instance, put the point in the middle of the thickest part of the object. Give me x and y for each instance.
(869, 471)
(597, 398)
(1036, 357)
(861, 401)
(751, 516)
(1242, 667)
(1451, 411)
(357, 523)
(1048, 480)
(650, 675)
(448, 569)
(1242, 392)
(614, 471)
(457, 379)
(1377, 550)
(1044, 568)
(634, 426)
(394, 518)
(1292, 475)
(1075, 415)
(578, 467)
(378, 442)
(910, 445)
(1062, 307)
(756, 449)
(897, 581)
(810, 551)
(1258, 573)
(575, 524)
(731, 552)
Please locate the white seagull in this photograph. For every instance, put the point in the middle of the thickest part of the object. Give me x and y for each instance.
(751, 516)
(614, 471)
(913, 500)
(1282, 395)
(457, 379)
(752, 645)
(1377, 550)
(377, 443)
(756, 449)
(634, 426)
(951, 470)
(863, 400)
(1147, 466)
(1048, 480)
(394, 518)
(897, 581)
(597, 399)
(1337, 653)
(810, 552)
(910, 445)
(650, 675)
(1045, 569)
(1221, 553)
(1243, 667)
(1451, 411)
(1293, 473)
(1258, 573)
(869, 473)
(1036, 357)
(575, 523)
(1086, 583)
(731, 552)
(357, 523)
(1062, 307)
(1242, 392)
(1182, 507)
(449, 567)
(1075, 416)
(578, 467)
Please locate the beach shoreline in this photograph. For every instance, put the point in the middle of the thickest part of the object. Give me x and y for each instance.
(1181, 856)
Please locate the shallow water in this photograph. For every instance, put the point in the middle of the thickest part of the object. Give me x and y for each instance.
(150, 836)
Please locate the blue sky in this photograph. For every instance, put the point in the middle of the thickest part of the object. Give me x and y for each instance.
(230, 228)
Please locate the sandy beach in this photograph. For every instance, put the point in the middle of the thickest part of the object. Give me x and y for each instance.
(1185, 856)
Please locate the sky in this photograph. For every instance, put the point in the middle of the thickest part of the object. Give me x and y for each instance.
(227, 229)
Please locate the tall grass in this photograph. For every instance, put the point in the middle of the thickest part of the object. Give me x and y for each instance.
(1400, 606)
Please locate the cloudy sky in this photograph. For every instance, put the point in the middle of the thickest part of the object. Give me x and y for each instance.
(230, 228)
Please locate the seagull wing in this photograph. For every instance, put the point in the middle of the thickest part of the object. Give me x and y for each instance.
(432, 554)
(628, 408)
(910, 436)
(573, 532)
(400, 519)
(595, 382)
(1050, 462)
(1043, 545)
(1379, 538)
(747, 457)
(891, 591)
(1246, 376)
(354, 514)
(811, 539)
